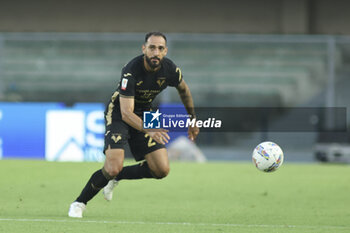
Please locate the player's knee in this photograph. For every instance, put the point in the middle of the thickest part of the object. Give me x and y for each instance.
(112, 171)
(114, 162)
(162, 172)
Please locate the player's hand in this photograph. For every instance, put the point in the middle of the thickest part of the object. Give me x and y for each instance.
(193, 132)
(159, 135)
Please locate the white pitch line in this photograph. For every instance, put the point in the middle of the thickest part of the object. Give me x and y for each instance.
(174, 223)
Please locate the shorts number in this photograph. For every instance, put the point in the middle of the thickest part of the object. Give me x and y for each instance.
(150, 141)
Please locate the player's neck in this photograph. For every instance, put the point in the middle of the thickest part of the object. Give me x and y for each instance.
(148, 68)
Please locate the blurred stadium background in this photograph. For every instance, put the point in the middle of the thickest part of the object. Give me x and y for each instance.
(56, 57)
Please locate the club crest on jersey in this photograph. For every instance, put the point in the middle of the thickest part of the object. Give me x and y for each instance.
(124, 84)
(161, 81)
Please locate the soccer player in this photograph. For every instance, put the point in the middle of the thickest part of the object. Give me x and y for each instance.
(142, 79)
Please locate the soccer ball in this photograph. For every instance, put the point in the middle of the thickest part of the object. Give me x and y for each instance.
(267, 156)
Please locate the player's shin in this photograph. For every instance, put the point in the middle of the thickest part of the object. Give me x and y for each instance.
(97, 181)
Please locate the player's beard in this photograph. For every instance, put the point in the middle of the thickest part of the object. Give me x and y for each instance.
(152, 64)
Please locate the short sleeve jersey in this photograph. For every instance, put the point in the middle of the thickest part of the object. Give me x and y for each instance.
(138, 83)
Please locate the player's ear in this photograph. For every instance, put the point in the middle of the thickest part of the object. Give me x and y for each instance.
(143, 48)
(165, 50)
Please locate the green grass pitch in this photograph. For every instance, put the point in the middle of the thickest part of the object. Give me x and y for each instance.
(212, 197)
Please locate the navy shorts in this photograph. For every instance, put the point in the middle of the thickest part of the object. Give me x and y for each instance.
(119, 133)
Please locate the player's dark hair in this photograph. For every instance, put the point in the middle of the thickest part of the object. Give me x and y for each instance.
(148, 35)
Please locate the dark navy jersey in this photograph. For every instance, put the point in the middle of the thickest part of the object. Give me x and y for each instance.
(138, 83)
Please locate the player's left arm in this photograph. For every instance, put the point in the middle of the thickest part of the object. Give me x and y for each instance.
(186, 98)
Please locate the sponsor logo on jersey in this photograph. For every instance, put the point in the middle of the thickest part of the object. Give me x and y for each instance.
(146, 95)
(127, 74)
(139, 83)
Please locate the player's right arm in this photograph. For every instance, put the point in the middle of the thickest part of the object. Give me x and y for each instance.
(129, 117)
